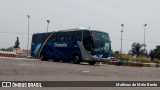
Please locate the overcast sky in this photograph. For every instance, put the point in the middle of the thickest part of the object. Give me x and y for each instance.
(105, 15)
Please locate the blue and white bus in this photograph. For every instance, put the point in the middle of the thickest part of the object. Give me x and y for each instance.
(72, 44)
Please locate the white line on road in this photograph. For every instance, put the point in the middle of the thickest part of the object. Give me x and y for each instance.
(86, 71)
(24, 64)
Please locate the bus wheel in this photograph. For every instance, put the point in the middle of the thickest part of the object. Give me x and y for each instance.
(76, 59)
(56, 60)
(43, 58)
(66, 60)
(92, 62)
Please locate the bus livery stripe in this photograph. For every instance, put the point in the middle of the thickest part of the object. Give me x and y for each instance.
(44, 44)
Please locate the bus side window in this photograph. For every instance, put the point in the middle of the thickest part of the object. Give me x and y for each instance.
(43, 38)
(34, 38)
(52, 38)
(60, 36)
(77, 35)
(87, 40)
(68, 36)
(39, 37)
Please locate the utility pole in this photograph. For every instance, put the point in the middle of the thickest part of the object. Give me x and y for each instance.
(121, 38)
(28, 36)
(144, 35)
(48, 24)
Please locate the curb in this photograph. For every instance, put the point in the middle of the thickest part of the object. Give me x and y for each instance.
(133, 64)
(7, 55)
(10, 58)
(14, 56)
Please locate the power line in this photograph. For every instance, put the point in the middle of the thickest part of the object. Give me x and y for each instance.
(13, 33)
(110, 37)
(131, 40)
(126, 39)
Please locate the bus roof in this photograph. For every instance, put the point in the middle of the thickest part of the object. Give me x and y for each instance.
(76, 29)
(99, 31)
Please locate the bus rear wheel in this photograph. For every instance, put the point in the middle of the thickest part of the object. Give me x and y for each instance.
(92, 62)
(66, 60)
(56, 60)
(76, 59)
(43, 58)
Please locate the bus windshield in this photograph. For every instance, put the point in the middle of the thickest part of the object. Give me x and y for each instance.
(101, 42)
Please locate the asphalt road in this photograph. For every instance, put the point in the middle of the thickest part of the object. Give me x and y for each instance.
(36, 70)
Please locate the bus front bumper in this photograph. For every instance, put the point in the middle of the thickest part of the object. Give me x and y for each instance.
(98, 59)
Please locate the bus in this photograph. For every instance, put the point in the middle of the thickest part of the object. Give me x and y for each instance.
(72, 44)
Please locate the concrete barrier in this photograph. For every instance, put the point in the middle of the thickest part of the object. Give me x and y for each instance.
(7, 55)
(7, 52)
(157, 65)
(12, 55)
(149, 65)
(134, 64)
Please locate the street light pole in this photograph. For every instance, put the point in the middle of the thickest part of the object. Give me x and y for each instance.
(28, 36)
(47, 24)
(121, 38)
(144, 34)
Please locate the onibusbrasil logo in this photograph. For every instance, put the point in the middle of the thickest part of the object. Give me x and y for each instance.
(21, 84)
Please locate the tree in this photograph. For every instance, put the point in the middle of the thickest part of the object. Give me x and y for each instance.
(151, 54)
(112, 53)
(17, 43)
(155, 53)
(137, 49)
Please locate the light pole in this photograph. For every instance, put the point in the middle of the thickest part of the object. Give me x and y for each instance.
(121, 38)
(144, 35)
(28, 36)
(47, 24)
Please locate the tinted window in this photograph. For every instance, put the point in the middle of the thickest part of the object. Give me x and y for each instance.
(68, 36)
(37, 38)
(52, 37)
(40, 37)
(87, 40)
(60, 36)
(71, 35)
(77, 35)
(33, 38)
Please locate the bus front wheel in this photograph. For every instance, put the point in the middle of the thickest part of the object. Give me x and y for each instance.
(92, 62)
(76, 59)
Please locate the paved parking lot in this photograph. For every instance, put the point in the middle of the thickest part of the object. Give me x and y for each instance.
(36, 70)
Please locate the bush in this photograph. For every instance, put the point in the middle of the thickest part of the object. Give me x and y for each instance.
(143, 60)
(156, 61)
(124, 57)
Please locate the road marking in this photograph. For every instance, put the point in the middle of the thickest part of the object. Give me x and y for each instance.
(86, 71)
(24, 64)
(84, 63)
(144, 67)
(115, 76)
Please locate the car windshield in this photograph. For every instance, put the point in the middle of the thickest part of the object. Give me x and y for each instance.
(101, 42)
